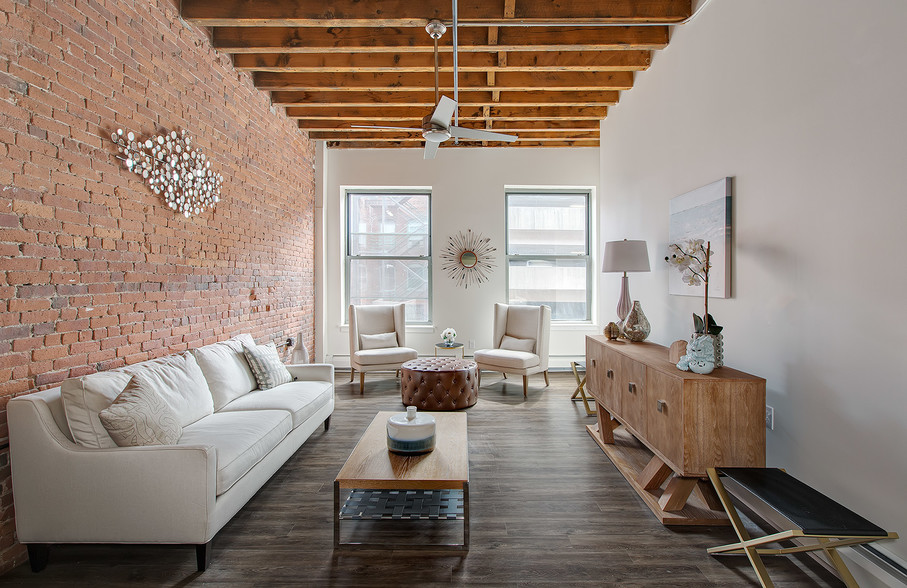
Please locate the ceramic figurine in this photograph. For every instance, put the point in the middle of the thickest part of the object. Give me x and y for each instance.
(700, 357)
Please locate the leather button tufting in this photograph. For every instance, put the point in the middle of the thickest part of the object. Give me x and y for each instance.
(439, 383)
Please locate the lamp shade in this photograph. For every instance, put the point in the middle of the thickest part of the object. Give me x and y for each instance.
(626, 256)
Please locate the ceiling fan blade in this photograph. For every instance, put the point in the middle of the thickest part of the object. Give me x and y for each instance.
(480, 135)
(385, 128)
(443, 112)
(431, 149)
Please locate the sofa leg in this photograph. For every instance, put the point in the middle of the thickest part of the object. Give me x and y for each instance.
(361, 382)
(525, 385)
(327, 423)
(203, 555)
(38, 555)
(546, 377)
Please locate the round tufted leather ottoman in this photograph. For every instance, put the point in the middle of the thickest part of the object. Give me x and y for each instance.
(439, 383)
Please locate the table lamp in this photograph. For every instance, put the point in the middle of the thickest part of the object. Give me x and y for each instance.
(625, 256)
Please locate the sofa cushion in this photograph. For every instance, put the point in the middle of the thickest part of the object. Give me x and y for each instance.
(387, 355)
(379, 341)
(506, 359)
(180, 382)
(266, 365)
(240, 439)
(300, 399)
(140, 416)
(84, 398)
(517, 344)
(226, 370)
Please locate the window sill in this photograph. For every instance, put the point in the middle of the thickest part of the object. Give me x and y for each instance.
(574, 326)
(409, 328)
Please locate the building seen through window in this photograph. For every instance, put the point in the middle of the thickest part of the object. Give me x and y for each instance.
(388, 245)
(548, 259)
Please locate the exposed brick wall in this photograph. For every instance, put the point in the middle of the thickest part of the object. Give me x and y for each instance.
(96, 271)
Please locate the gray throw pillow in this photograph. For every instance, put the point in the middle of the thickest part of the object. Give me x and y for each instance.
(141, 416)
(266, 365)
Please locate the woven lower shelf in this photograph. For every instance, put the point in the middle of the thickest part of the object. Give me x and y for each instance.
(377, 505)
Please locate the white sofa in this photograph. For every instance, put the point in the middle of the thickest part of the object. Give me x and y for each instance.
(72, 485)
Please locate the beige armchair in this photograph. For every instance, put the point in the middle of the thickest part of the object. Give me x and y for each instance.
(521, 335)
(377, 339)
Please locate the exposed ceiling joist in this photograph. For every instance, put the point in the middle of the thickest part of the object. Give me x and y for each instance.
(546, 71)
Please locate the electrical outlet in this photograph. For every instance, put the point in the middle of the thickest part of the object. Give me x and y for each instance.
(471, 344)
(769, 418)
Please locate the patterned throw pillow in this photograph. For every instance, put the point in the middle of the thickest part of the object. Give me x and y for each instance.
(141, 416)
(266, 365)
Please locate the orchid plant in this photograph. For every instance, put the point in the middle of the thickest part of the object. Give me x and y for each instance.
(691, 258)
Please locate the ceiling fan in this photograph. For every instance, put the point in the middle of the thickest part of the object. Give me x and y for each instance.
(436, 127)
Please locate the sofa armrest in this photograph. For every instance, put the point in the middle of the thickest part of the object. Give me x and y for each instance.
(319, 372)
(65, 493)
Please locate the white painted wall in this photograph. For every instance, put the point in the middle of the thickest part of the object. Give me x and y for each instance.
(467, 187)
(803, 102)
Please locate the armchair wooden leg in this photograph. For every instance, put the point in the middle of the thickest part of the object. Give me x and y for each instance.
(352, 375)
(203, 556)
(525, 385)
(361, 382)
(478, 377)
(38, 556)
(546, 377)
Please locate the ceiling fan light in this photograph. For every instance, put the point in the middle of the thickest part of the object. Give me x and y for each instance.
(436, 135)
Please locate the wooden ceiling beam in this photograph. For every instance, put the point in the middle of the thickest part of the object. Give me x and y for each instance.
(386, 136)
(414, 144)
(551, 126)
(426, 99)
(401, 13)
(240, 40)
(424, 62)
(414, 82)
(395, 114)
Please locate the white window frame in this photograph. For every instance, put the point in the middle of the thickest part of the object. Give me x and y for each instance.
(347, 258)
(589, 193)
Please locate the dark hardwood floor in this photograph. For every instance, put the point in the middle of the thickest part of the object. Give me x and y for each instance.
(547, 508)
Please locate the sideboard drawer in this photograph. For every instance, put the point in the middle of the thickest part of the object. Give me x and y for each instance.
(631, 386)
(665, 416)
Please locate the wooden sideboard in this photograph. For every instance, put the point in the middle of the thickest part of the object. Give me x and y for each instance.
(662, 426)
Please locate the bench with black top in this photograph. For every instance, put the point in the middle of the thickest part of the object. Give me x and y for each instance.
(814, 515)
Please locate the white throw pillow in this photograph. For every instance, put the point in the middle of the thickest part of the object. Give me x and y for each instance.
(139, 416)
(180, 382)
(515, 344)
(379, 341)
(84, 398)
(226, 370)
(266, 365)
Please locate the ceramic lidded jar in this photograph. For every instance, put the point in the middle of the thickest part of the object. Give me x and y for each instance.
(410, 432)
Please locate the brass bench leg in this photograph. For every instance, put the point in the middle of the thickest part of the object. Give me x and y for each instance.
(750, 551)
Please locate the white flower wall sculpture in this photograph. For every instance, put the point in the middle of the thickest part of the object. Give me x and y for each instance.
(173, 168)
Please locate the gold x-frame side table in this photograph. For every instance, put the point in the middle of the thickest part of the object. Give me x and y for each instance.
(580, 392)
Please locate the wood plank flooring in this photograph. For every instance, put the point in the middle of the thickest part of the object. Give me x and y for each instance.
(547, 508)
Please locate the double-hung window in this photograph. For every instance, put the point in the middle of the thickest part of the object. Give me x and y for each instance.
(388, 250)
(548, 259)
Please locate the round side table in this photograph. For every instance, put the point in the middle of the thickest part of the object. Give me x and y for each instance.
(455, 346)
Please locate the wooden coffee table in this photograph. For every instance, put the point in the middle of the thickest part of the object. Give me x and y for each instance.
(375, 484)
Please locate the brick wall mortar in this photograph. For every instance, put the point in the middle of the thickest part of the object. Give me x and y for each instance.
(95, 271)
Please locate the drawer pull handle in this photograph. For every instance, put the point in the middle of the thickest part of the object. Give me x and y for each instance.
(610, 374)
(631, 387)
(662, 405)
(593, 363)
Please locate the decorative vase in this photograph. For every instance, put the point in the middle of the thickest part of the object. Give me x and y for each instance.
(410, 433)
(636, 326)
(717, 343)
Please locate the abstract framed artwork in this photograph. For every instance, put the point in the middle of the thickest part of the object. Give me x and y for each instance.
(704, 213)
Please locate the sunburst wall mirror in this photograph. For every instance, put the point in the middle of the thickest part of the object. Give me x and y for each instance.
(468, 258)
